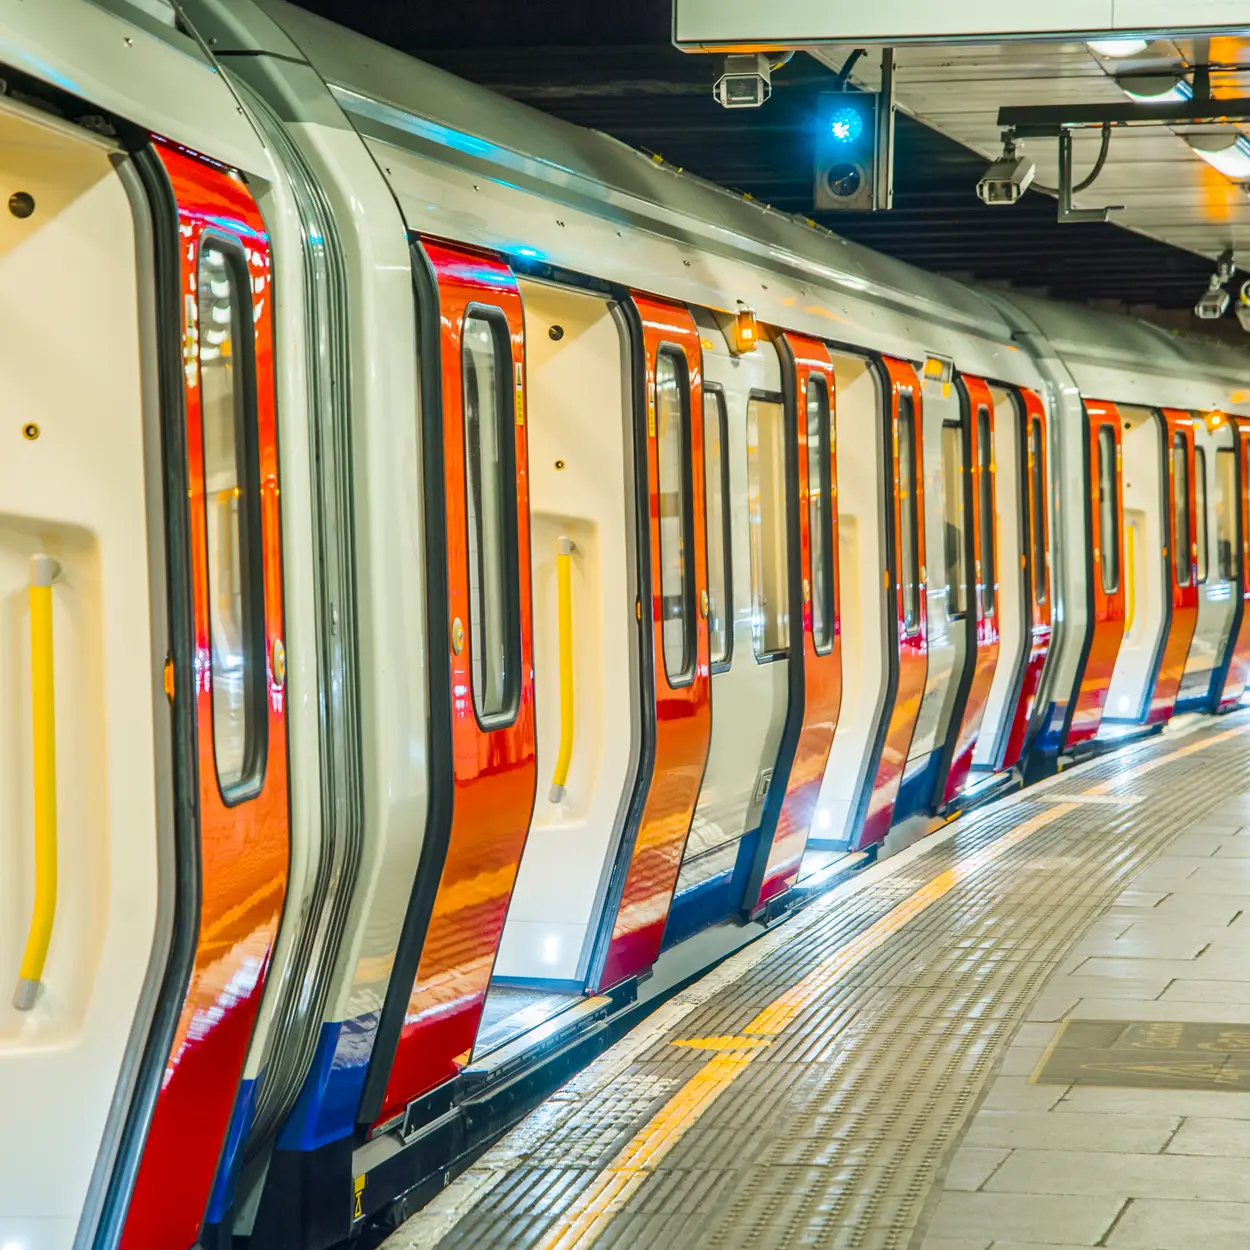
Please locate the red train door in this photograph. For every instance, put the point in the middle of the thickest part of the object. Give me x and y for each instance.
(815, 425)
(907, 576)
(1181, 556)
(238, 686)
(679, 656)
(1037, 567)
(482, 683)
(1106, 568)
(1238, 676)
(985, 565)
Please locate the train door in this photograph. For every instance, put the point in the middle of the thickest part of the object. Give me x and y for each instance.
(586, 673)
(945, 459)
(674, 589)
(1011, 599)
(814, 702)
(1238, 675)
(748, 504)
(881, 566)
(87, 831)
(1155, 462)
(979, 595)
(1181, 573)
(1037, 573)
(1106, 568)
(481, 664)
(1215, 504)
(238, 677)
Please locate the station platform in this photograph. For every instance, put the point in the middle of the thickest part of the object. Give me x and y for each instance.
(1031, 1028)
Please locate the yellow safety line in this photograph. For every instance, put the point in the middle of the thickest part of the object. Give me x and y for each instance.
(43, 570)
(586, 1218)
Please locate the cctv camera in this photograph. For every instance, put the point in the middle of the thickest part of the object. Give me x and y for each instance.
(745, 81)
(1008, 178)
(1243, 315)
(1213, 302)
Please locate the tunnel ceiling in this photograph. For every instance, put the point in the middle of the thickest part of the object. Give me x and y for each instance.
(613, 68)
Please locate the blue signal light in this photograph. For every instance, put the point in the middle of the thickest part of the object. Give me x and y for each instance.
(846, 124)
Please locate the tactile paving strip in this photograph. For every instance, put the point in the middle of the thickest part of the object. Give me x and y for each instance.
(835, 1132)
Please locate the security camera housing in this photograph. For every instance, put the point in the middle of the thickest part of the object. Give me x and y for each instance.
(745, 81)
(1212, 304)
(1006, 180)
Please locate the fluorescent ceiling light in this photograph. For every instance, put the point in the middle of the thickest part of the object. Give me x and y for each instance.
(1226, 151)
(1118, 47)
(1156, 88)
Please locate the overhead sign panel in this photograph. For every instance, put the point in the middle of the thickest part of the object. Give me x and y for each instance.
(792, 23)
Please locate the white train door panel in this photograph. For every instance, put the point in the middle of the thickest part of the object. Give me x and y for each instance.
(73, 489)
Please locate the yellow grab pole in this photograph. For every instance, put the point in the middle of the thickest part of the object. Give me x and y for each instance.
(564, 624)
(43, 570)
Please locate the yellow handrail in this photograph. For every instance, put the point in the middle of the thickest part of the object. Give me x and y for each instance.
(43, 570)
(564, 624)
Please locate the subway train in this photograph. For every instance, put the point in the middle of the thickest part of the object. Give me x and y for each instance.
(485, 576)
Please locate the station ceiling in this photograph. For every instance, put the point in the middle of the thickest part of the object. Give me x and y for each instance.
(613, 68)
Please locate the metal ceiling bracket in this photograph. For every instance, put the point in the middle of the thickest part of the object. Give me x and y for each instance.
(1066, 212)
(1039, 121)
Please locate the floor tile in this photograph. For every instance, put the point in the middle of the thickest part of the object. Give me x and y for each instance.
(972, 1166)
(1180, 1102)
(1151, 1224)
(1215, 992)
(1088, 1172)
(1056, 1220)
(1014, 1093)
(1145, 986)
(1197, 1136)
(1048, 1130)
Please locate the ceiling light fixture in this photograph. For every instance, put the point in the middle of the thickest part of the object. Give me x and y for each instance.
(1156, 88)
(1227, 151)
(1112, 48)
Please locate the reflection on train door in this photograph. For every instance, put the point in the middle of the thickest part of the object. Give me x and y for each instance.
(816, 678)
(1106, 579)
(1180, 562)
(980, 427)
(1037, 555)
(482, 695)
(906, 576)
(238, 686)
(672, 407)
(1238, 676)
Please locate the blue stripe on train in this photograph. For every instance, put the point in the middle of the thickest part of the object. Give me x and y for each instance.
(702, 905)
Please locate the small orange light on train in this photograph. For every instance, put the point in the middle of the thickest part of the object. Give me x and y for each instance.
(745, 331)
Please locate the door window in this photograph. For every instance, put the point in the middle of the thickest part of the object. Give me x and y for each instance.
(1225, 514)
(820, 511)
(985, 490)
(490, 499)
(673, 473)
(1200, 510)
(716, 477)
(1108, 511)
(1037, 502)
(954, 516)
(909, 542)
(766, 512)
(232, 520)
(1180, 509)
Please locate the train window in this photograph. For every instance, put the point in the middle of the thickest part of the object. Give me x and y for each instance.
(673, 480)
(1180, 509)
(766, 511)
(1225, 515)
(719, 576)
(490, 520)
(1108, 511)
(955, 518)
(909, 542)
(1200, 510)
(985, 493)
(1037, 504)
(820, 512)
(236, 609)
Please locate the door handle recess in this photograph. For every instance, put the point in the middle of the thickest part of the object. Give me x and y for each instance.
(564, 626)
(43, 571)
